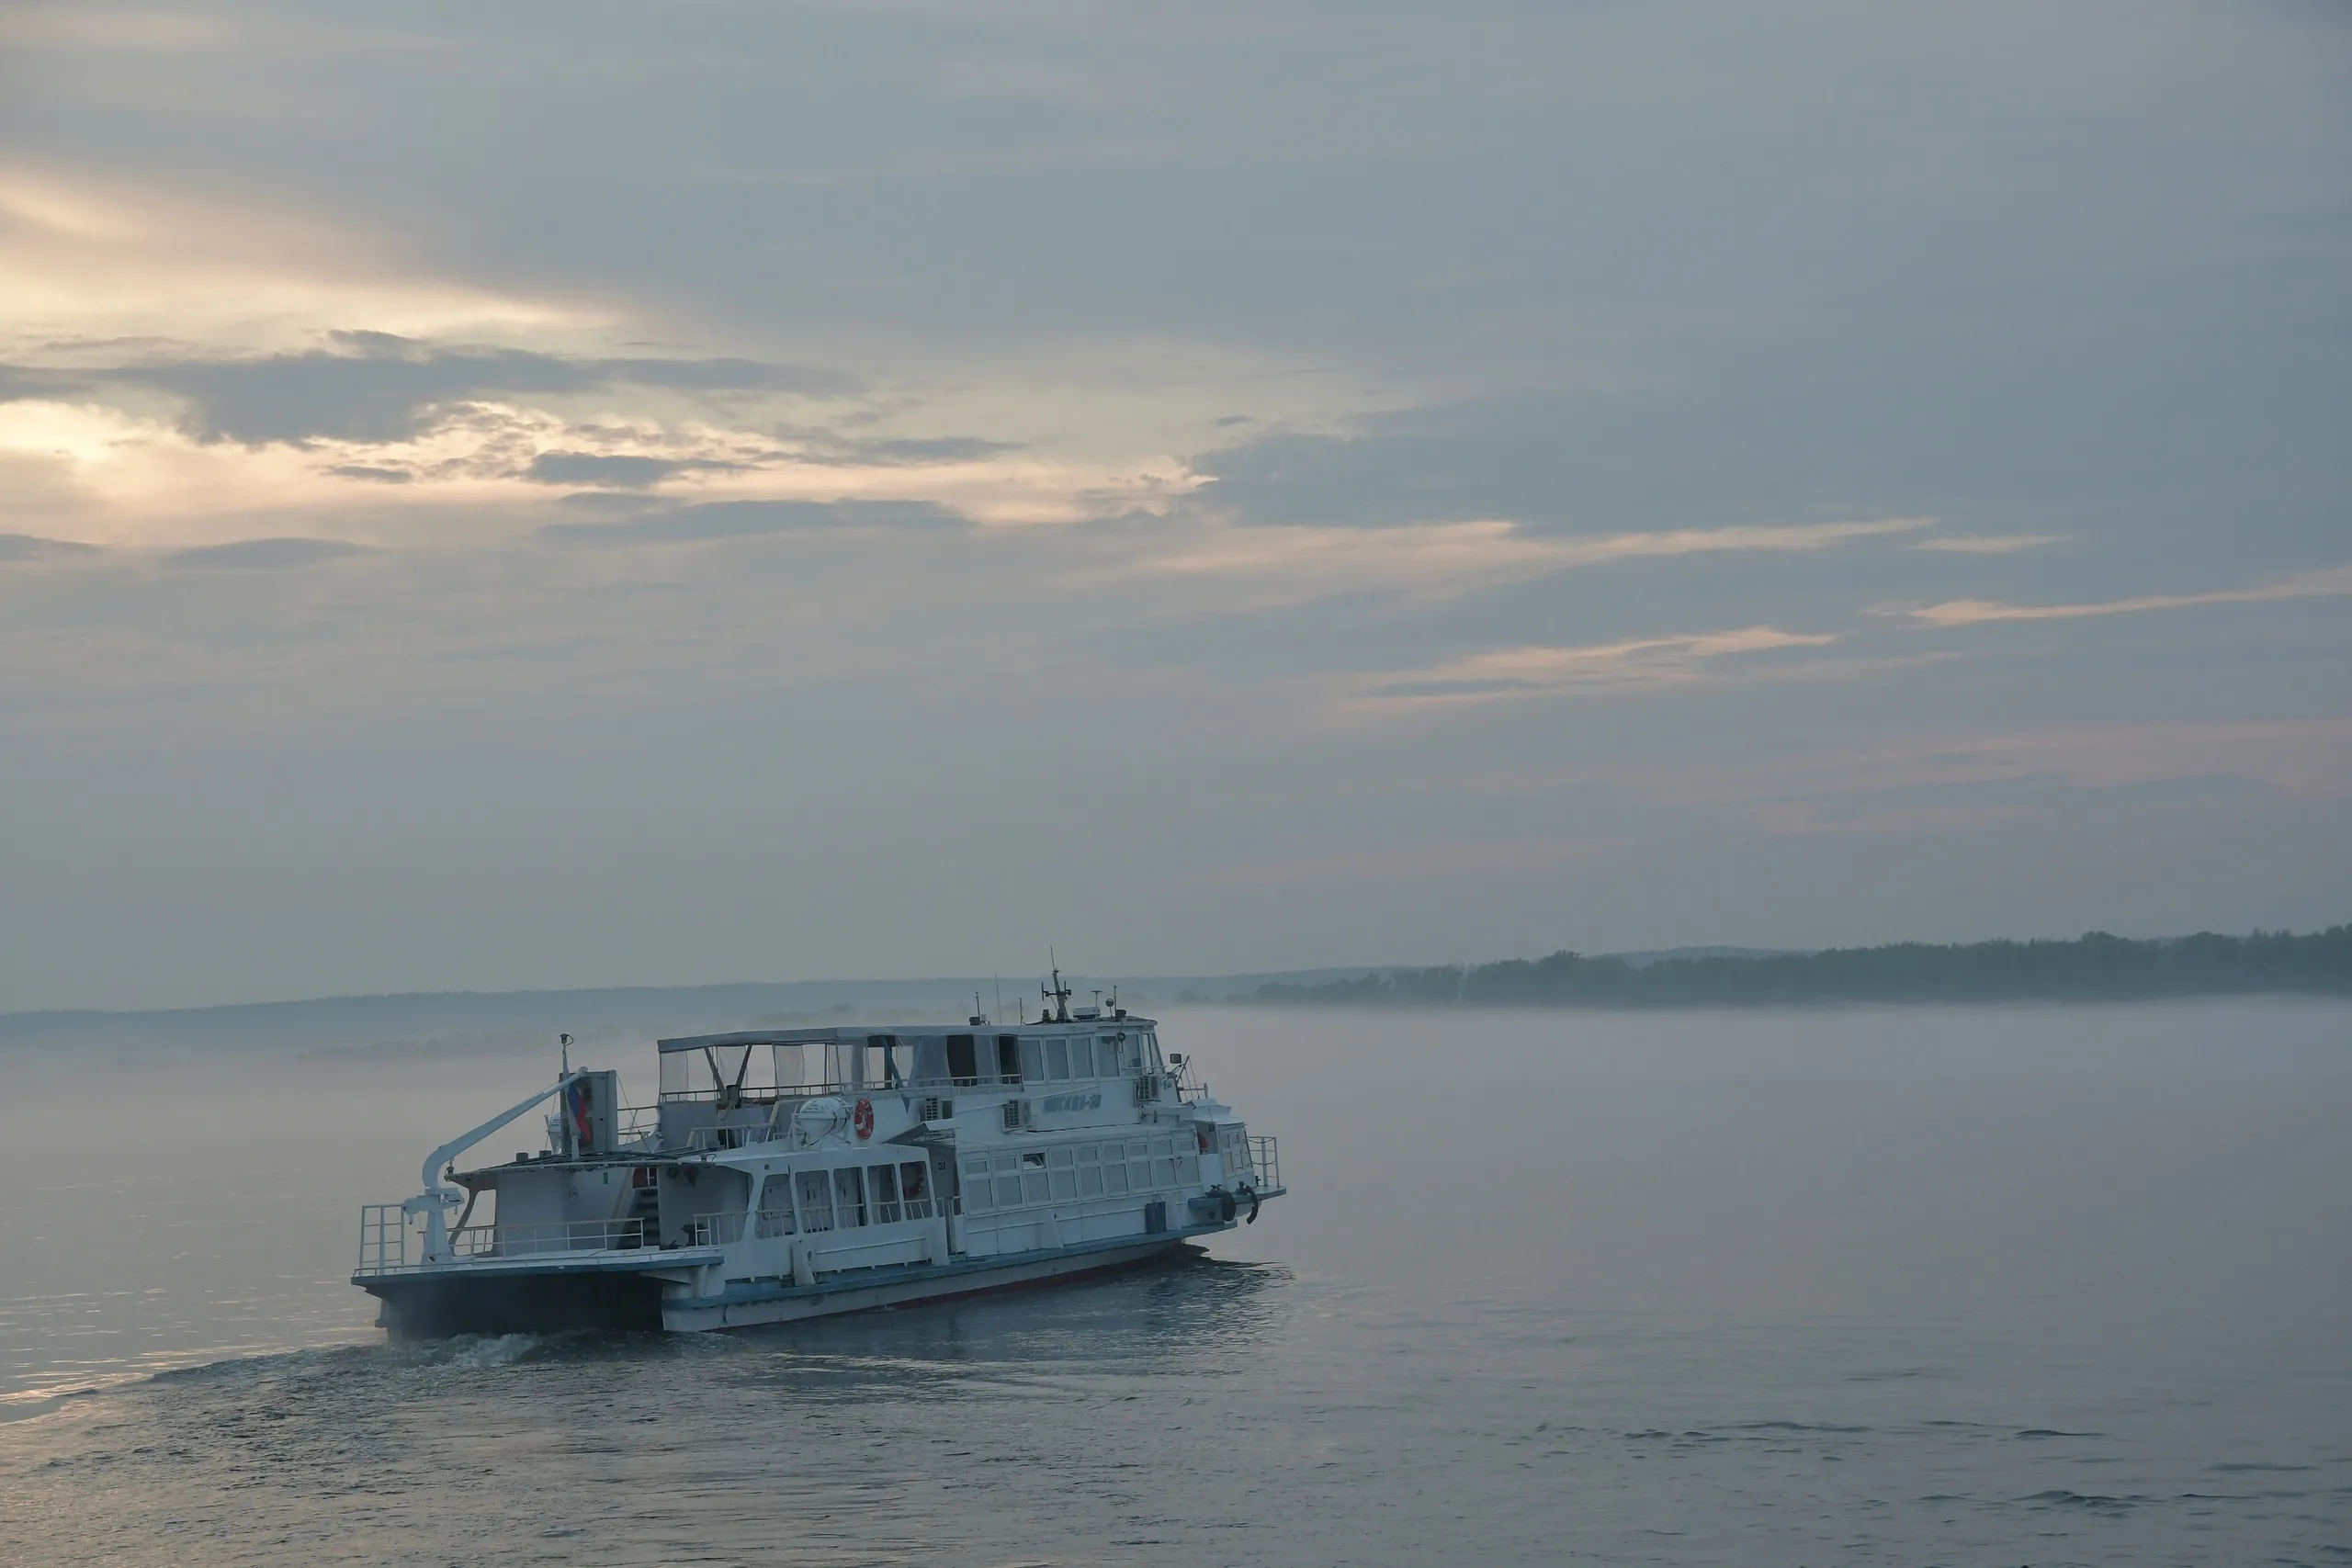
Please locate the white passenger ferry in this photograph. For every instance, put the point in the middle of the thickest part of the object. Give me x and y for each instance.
(799, 1173)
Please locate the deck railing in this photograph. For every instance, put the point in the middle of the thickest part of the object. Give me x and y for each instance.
(561, 1236)
(383, 1238)
(389, 1244)
(1265, 1157)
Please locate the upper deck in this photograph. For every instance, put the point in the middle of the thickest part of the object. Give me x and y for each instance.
(762, 1066)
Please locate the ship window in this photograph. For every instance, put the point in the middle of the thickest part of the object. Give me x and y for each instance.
(1059, 1156)
(1008, 1057)
(1090, 1173)
(1033, 1178)
(1188, 1169)
(882, 1181)
(979, 1195)
(1057, 1059)
(849, 1198)
(776, 1208)
(914, 1185)
(1139, 1165)
(816, 1201)
(791, 1066)
(882, 1062)
(963, 1060)
(1064, 1185)
(929, 1064)
(1081, 1055)
(1114, 1171)
(1110, 1060)
(1033, 1058)
(1008, 1191)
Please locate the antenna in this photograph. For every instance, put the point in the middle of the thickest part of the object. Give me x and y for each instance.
(566, 1041)
(999, 982)
(976, 1019)
(1058, 992)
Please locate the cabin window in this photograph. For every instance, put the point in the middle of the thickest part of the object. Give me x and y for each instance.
(841, 1061)
(776, 1208)
(1034, 1189)
(1061, 1169)
(883, 1064)
(1147, 1050)
(1188, 1169)
(1110, 1060)
(1114, 1173)
(1033, 1059)
(1057, 1059)
(1008, 1057)
(1163, 1163)
(849, 1198)
(963, 1060)
(914, 1186)
(882, 1182)
(791, 1066)
(930, 1060)
(816, 1201)
(1007, 1182)
(1089, 1172)
(979, 1195)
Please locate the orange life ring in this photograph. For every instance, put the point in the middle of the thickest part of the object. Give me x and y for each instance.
(863, 1119)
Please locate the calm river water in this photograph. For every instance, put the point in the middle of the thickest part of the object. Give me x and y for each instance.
(1904, 1286)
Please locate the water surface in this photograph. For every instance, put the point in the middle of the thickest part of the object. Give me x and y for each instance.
(1903, 1286)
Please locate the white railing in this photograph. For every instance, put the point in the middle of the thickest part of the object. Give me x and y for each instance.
(383, 1238)
(562, 1236)
(1265, 1156)
(389, 1245)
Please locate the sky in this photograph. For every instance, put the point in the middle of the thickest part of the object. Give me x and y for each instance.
(549, 495)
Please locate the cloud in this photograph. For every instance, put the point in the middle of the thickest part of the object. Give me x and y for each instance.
(265, 554)
(371, 472)
(622, 472)
(1522, 672)
(941, 449)
(375, 386)
(2330, 582)
(91, 259)
(753, 519)
(25, 546)
(1288, 564)
(1990, 543)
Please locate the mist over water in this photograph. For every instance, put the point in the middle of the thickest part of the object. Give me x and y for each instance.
(2035, 1285)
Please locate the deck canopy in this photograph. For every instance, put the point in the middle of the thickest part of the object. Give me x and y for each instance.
(764, 1064)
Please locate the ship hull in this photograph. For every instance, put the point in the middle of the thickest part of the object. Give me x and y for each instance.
(477, 1299)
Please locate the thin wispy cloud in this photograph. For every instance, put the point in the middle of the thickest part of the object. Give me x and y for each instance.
(1522, 672)
(1989, 544)
(2329, 582)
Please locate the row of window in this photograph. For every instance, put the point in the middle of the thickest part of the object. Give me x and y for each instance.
(839, 1200)
(1071, 1172)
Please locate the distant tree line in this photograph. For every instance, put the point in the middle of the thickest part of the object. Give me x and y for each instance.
(2096, 967)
